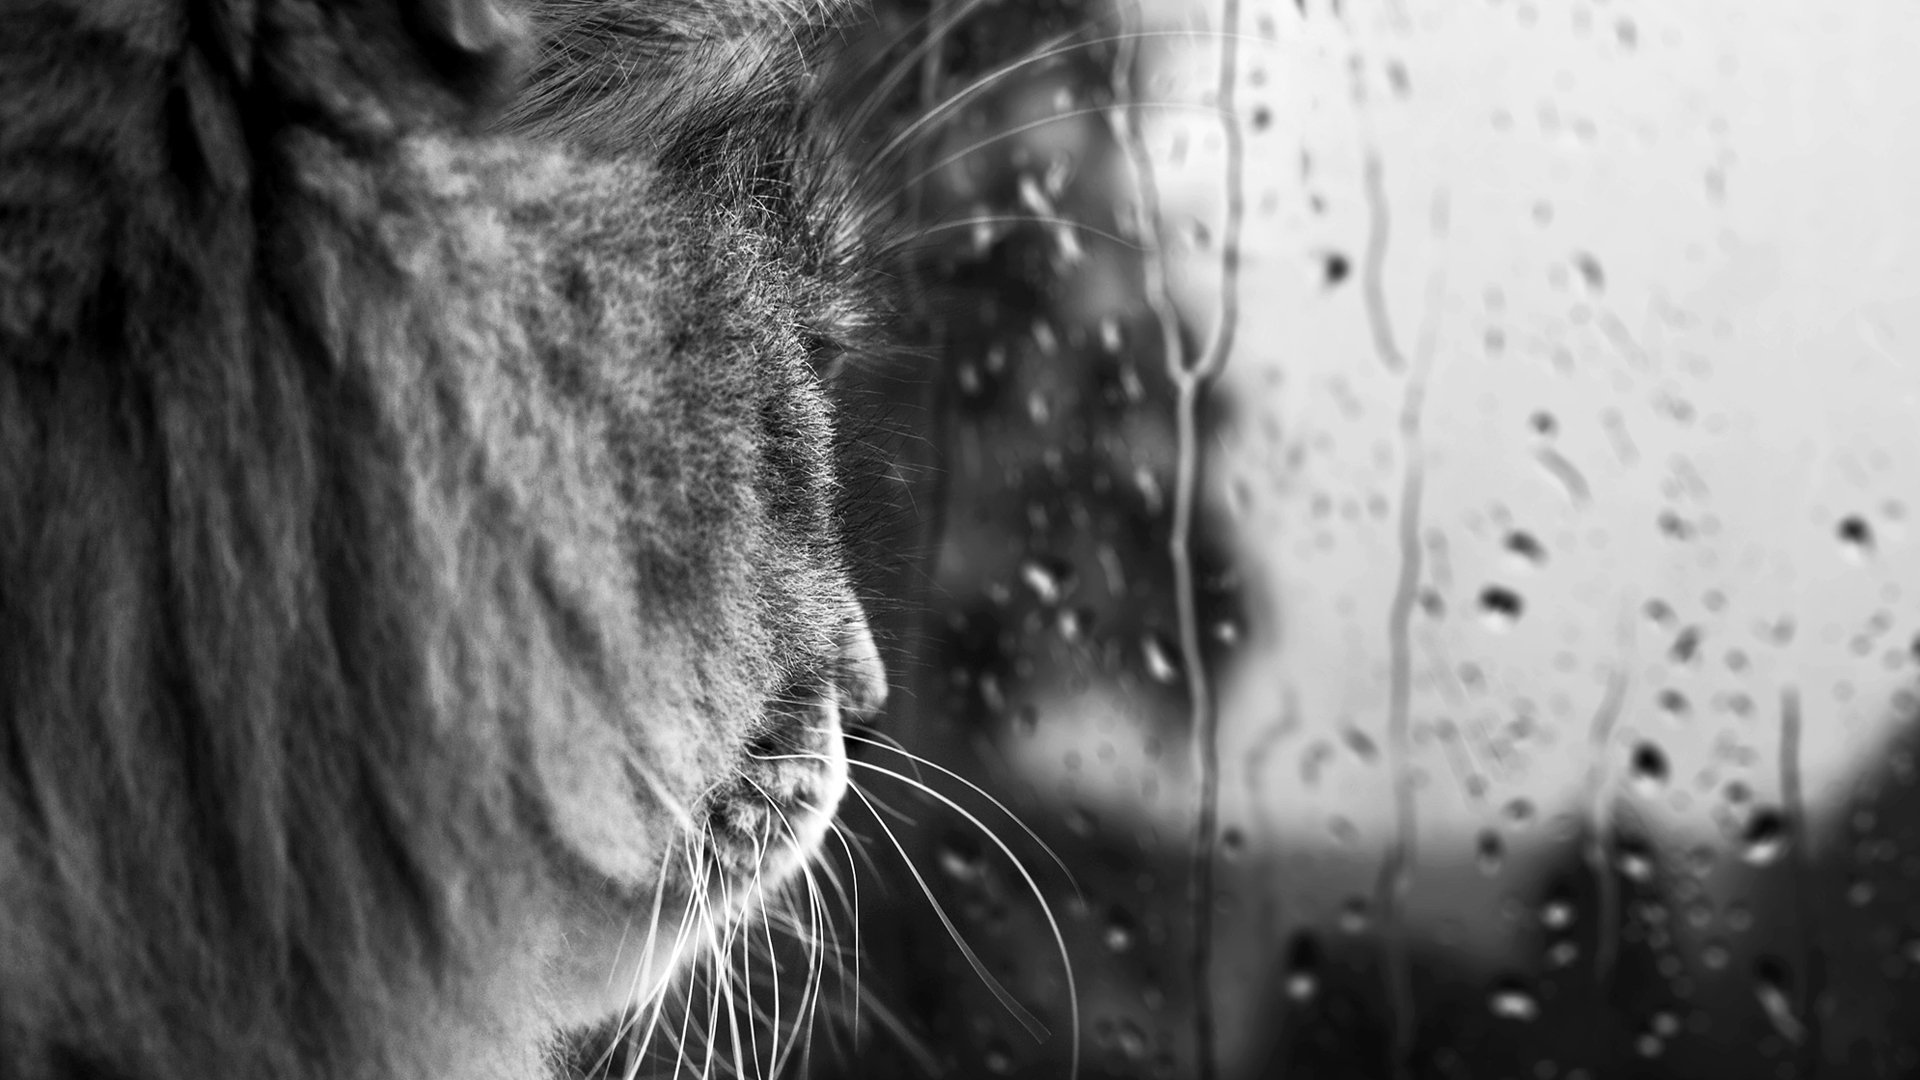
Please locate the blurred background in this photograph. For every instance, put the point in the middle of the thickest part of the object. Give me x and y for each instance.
(1402, 547)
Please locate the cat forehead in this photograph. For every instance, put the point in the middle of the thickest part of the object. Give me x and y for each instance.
(690, 19)
(495, 34)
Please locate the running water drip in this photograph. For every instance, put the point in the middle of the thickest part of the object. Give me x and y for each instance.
(1390, 887)
(1811, 983)
(1396, 866)
(1191, 377)
(1599, 809)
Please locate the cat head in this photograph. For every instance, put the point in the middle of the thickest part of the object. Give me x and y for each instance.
(426, 615)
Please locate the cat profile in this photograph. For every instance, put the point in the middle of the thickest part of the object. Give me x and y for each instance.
(423, 612)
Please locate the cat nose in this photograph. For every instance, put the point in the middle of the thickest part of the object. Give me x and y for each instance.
(863, 678)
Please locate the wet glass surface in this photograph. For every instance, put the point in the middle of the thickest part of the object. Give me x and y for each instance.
(1413, 505)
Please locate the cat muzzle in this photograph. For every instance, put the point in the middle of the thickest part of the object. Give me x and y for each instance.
(778, 812)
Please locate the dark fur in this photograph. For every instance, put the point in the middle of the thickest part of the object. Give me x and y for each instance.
(403, 528)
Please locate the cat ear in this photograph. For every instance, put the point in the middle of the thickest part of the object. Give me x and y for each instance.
(475, 27)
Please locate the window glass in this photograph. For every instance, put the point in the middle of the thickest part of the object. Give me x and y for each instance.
(1413, 505)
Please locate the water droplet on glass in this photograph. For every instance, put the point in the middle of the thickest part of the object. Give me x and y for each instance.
(1556, 914)
(1510, 1002)
(1334, 268)
(1527, 547)
(1048, 580)
(1770, 985)
(1163, 666)
(1081, 822)
(1233, 842)
(972, 384)
(991, 694)
(1633, 860)
(1045, 338)
(1856, 536)
(1303, 967)
(1490, 852)
(1040, 406)
(1152, 496)
(1353, 916)
(959, 863)
(1120, 933)
(1302, 985)
(1501, 607)
(1590, 270)
(1685, 646)
(1765, 837)
(1648, 768)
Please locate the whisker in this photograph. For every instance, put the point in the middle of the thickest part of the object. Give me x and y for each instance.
(928, 231)
(917, 760)
(1071, 114)
(704, 929)
(787, 824)
(1047, 50)
(803, 1018)
(1007, 1001)
(1046, 909)
(935, 34)
(1033, 886)
(849, 904)
(642, 978)
(874, 736)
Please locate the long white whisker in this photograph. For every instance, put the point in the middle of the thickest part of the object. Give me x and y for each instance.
(688, 919)
(1059, 937)
(1053, 47)
(1016, 219)
(884, 89)
(1032, 125)
(1056, 46)
(703, 928)
(917, 761)
(642, 977)
(1007, 1001)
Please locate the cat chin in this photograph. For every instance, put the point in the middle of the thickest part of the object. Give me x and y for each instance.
(608, 963)
(622, 951)
(807, 815)
(772, 819)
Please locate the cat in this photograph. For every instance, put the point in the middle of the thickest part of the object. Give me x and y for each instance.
(424, 618)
